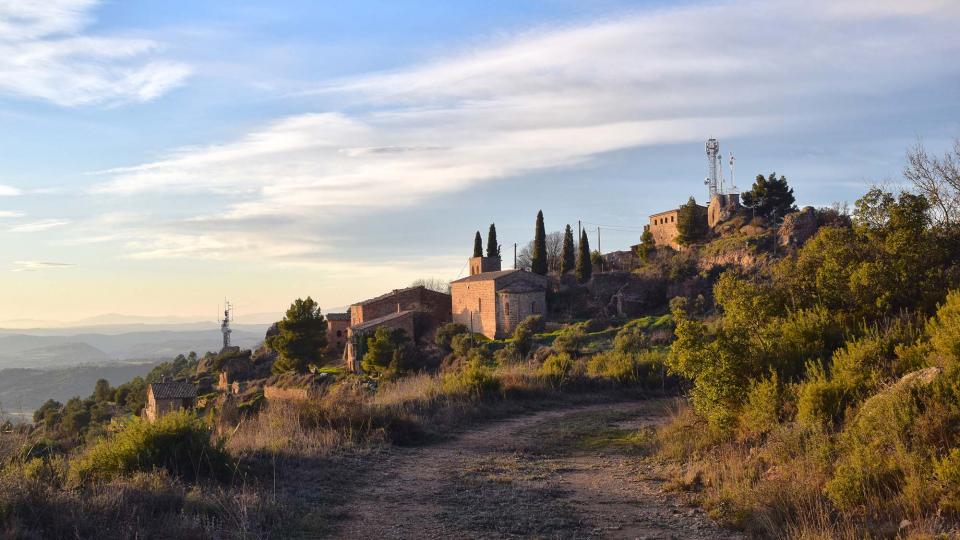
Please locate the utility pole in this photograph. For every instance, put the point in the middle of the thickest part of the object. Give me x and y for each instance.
(598, 248)
(579, 230)
(514, 255)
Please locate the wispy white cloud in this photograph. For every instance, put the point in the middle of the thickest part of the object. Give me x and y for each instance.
(39, 226)
(34, 266)
(556, 98)
(9, 191)
(10, 214)
(45, 54)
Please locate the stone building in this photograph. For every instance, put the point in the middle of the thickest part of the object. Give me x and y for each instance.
(166, 397)
(337, 325)
(493, 302)
(417, 310)
(663, 226)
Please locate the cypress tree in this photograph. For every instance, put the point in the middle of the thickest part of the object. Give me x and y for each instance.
(538, 264)
(477, 245)
(568, 259)
(647, 245)
(493, 248)
(584, 265)
(691, 223)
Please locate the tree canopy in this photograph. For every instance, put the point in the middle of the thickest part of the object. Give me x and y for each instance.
(493, 248)
(538, 264)
(477, 245)
(770, 197)
(691, 223)
(301, 339)
(584, 270)
(568, 258)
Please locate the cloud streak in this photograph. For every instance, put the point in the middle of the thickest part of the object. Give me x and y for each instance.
(34, 266)
(39, 226)
(557, 98)
(45, 54)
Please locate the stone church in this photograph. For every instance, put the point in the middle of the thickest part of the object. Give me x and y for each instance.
(492, 301)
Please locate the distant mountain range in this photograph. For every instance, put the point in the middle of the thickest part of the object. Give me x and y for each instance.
(126, 321)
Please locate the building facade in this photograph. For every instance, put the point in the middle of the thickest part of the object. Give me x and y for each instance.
(337, 325)
(494, 303)
(166, 397)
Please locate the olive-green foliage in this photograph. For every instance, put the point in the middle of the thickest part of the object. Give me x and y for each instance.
(493, 247)
(647, 245)
(301, 339)
(947, 475)
(557, 367)
(944, 330)
(770, 197)
(446, 333)
(475, 377)
(538, 262)
(584, 268)
(643, 367)
(691, 223)
(386, 352)
(570, 340)
(477, 245)
(178, 442)
(568, 257)
(761, 412)
(462, 344)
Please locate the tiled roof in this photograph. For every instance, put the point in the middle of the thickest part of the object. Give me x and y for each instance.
(388, 295)
(373, 323)
(338, 316)
(486, 276)
(173, 390)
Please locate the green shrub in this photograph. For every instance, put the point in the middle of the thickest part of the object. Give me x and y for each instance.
(557, 367)
(644, 367)
(475, 377)
(570, 340)
(463, 343)
(178, 442)
(944, 329)
(947, 473)
(820, 402)
(446, 333)
(761, 412)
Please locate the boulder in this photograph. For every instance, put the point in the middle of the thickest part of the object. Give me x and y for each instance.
(797, 227)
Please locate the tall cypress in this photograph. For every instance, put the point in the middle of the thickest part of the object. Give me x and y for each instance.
(538, 264)
(477, 245)
(493, 248)
(568, 259)
(584, 266)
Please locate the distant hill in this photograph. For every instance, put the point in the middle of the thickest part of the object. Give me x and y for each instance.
(24, 390)
(43, 350)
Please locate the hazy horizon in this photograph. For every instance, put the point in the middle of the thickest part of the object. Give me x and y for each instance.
(158, 160)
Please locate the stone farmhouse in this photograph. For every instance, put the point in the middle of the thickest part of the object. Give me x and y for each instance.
(166, 397)
(492, 301)
(417, 310)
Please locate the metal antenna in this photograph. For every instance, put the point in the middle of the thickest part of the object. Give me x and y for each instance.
(733, 182)
(225, 325)
(713, 150)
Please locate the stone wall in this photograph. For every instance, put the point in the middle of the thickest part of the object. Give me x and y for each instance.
(356, 339)
(722, 207)
(663, 226)
(337, 335)
(515, 307)
(480, 265)
(479, 299)
(413, 298)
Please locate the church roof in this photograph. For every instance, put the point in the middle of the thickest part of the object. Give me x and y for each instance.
(338, 316)
(508, 279)
(373, 323)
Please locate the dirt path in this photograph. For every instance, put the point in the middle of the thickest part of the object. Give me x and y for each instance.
(571, 473)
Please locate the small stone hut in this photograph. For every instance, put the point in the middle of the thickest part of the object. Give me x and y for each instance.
(166, 397)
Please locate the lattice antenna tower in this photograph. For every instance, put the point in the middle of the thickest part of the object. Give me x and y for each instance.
(713, 153)
(225, 325)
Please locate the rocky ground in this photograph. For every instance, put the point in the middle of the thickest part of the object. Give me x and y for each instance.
(572, 473)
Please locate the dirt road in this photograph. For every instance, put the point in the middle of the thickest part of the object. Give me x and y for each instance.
(573, 473)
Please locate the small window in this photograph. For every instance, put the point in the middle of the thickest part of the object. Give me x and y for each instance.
(339, 333)
(506, 307)
(672, 219)
(533, 307)
(479, 304)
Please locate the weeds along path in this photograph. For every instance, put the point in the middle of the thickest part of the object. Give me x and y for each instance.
(570, 473)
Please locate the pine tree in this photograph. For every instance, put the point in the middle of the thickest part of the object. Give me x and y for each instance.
(770, 197)
(301, 339)
(647, 245)
(691, 223)
(538, 264)
(584, 265)
(568, 258)
(493, 248)
(477, 245)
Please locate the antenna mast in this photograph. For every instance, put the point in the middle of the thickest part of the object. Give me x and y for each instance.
(733, 181)
(713, 152)
(225, 325)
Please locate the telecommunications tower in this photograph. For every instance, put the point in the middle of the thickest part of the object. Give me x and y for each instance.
(225, 325)
(713, 154)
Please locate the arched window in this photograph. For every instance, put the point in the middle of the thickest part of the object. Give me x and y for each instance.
(479, 304)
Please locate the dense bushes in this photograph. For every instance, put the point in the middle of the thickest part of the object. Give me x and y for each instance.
(178, 443)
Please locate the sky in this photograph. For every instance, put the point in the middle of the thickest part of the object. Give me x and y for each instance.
(158, 157)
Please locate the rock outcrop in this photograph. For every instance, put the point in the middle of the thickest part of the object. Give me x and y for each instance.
(797, 227)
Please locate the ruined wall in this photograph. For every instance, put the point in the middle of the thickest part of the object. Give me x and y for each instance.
(337, 335)
(415, 298)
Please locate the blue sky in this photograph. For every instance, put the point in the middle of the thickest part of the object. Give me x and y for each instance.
(157, 157)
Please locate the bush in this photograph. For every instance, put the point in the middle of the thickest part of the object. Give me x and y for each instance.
(947, 473)
(570, 340)
(944, 330)
(645, 367)
(761, 412)
(475, 377)
(446, 333)
(178, 442)
(557, 367)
